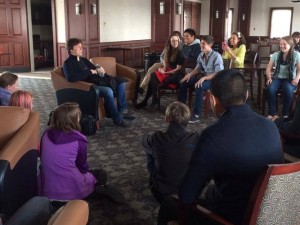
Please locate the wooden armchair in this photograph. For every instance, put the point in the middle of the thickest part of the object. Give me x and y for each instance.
(275, 198)
(19, 140)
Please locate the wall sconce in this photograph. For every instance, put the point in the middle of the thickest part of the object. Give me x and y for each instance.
(217, 14)
(179, 8)
(161, 8)
(243, 16)
(77, 8)
(93, 9)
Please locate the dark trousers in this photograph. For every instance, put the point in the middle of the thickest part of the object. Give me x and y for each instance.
(172, 209)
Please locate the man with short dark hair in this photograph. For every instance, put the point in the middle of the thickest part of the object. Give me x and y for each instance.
(208, 63)
(78, 68)
(232, 152)
(190, 49)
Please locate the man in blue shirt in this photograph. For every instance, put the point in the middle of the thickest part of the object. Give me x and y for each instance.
(208, 63)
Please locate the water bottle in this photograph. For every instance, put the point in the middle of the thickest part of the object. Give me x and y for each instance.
(100, 74)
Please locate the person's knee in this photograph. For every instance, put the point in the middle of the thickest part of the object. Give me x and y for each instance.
(107, 92)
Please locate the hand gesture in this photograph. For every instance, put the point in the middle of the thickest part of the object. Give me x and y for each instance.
(161, 70)
(100, 70)
(199, 82)
(94, 71)
(295, 81)
(186, 78)
(268, 81)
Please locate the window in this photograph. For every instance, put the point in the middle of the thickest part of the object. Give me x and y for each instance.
(280, 22)
(229, 23)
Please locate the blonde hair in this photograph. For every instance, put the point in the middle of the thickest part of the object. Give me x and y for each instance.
(21, 99)
(178, 112)
(66, 117)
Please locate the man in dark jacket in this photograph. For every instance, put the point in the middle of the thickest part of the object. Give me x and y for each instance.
(232, 152)
(169, 152)
(78, 68)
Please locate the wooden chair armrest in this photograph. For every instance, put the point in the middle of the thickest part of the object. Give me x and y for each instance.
(289, 136)
(210, 215)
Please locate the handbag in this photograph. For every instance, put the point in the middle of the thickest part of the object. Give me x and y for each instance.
(88, 125)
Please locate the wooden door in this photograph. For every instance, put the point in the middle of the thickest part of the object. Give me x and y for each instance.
(192, 15)
(14, 50)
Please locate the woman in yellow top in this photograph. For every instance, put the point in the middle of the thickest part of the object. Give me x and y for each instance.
(236, 49)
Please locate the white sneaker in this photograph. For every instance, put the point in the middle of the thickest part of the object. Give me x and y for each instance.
(194, 118)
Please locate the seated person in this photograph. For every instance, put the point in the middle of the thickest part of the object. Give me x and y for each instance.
(208, 63)
(78, 68)
(290, 128)
(22, 99)
(236, 49)
(64, 172)
(296, 37)
(169, 152)
(232, 152)
(190, 49)
(169, 75)
(8, 85)
(156, 66)
(286, 75)
(36, 211)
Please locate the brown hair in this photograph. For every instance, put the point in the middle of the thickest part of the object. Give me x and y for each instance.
(71, 43)
(178, 112)
(240, 36)
(170, 52)
(66, 117)
(290, 41)
(7, 78)
(21, 99)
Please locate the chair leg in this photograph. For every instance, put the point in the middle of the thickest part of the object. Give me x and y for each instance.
(251, 87)
(158, 97)
(190, 92)
(207, 103)
(263, 102)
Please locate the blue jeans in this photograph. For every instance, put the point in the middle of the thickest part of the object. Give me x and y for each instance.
(287, 90)
(121, 97)
(199, 93)
(199, 96)
(183, 87)
(109, 103)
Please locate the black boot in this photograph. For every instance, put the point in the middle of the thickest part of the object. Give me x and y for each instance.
(144, 102)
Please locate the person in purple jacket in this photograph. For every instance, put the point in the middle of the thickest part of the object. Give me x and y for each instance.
(64, 171)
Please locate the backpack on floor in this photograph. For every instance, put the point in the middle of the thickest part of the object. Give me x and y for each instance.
(88, 125)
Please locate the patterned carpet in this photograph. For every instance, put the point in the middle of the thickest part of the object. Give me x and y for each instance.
(118, 150)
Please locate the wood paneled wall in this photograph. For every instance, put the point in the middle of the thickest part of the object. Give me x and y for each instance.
(244, 15)
(85, 26)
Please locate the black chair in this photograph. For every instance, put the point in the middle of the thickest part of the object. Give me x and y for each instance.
(251, 57)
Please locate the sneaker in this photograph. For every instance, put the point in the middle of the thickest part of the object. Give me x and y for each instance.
(194, 118)
(110, 192)
(141, 91)
(127, 115)
(123, 124)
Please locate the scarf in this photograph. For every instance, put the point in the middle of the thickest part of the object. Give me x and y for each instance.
(288, 61)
